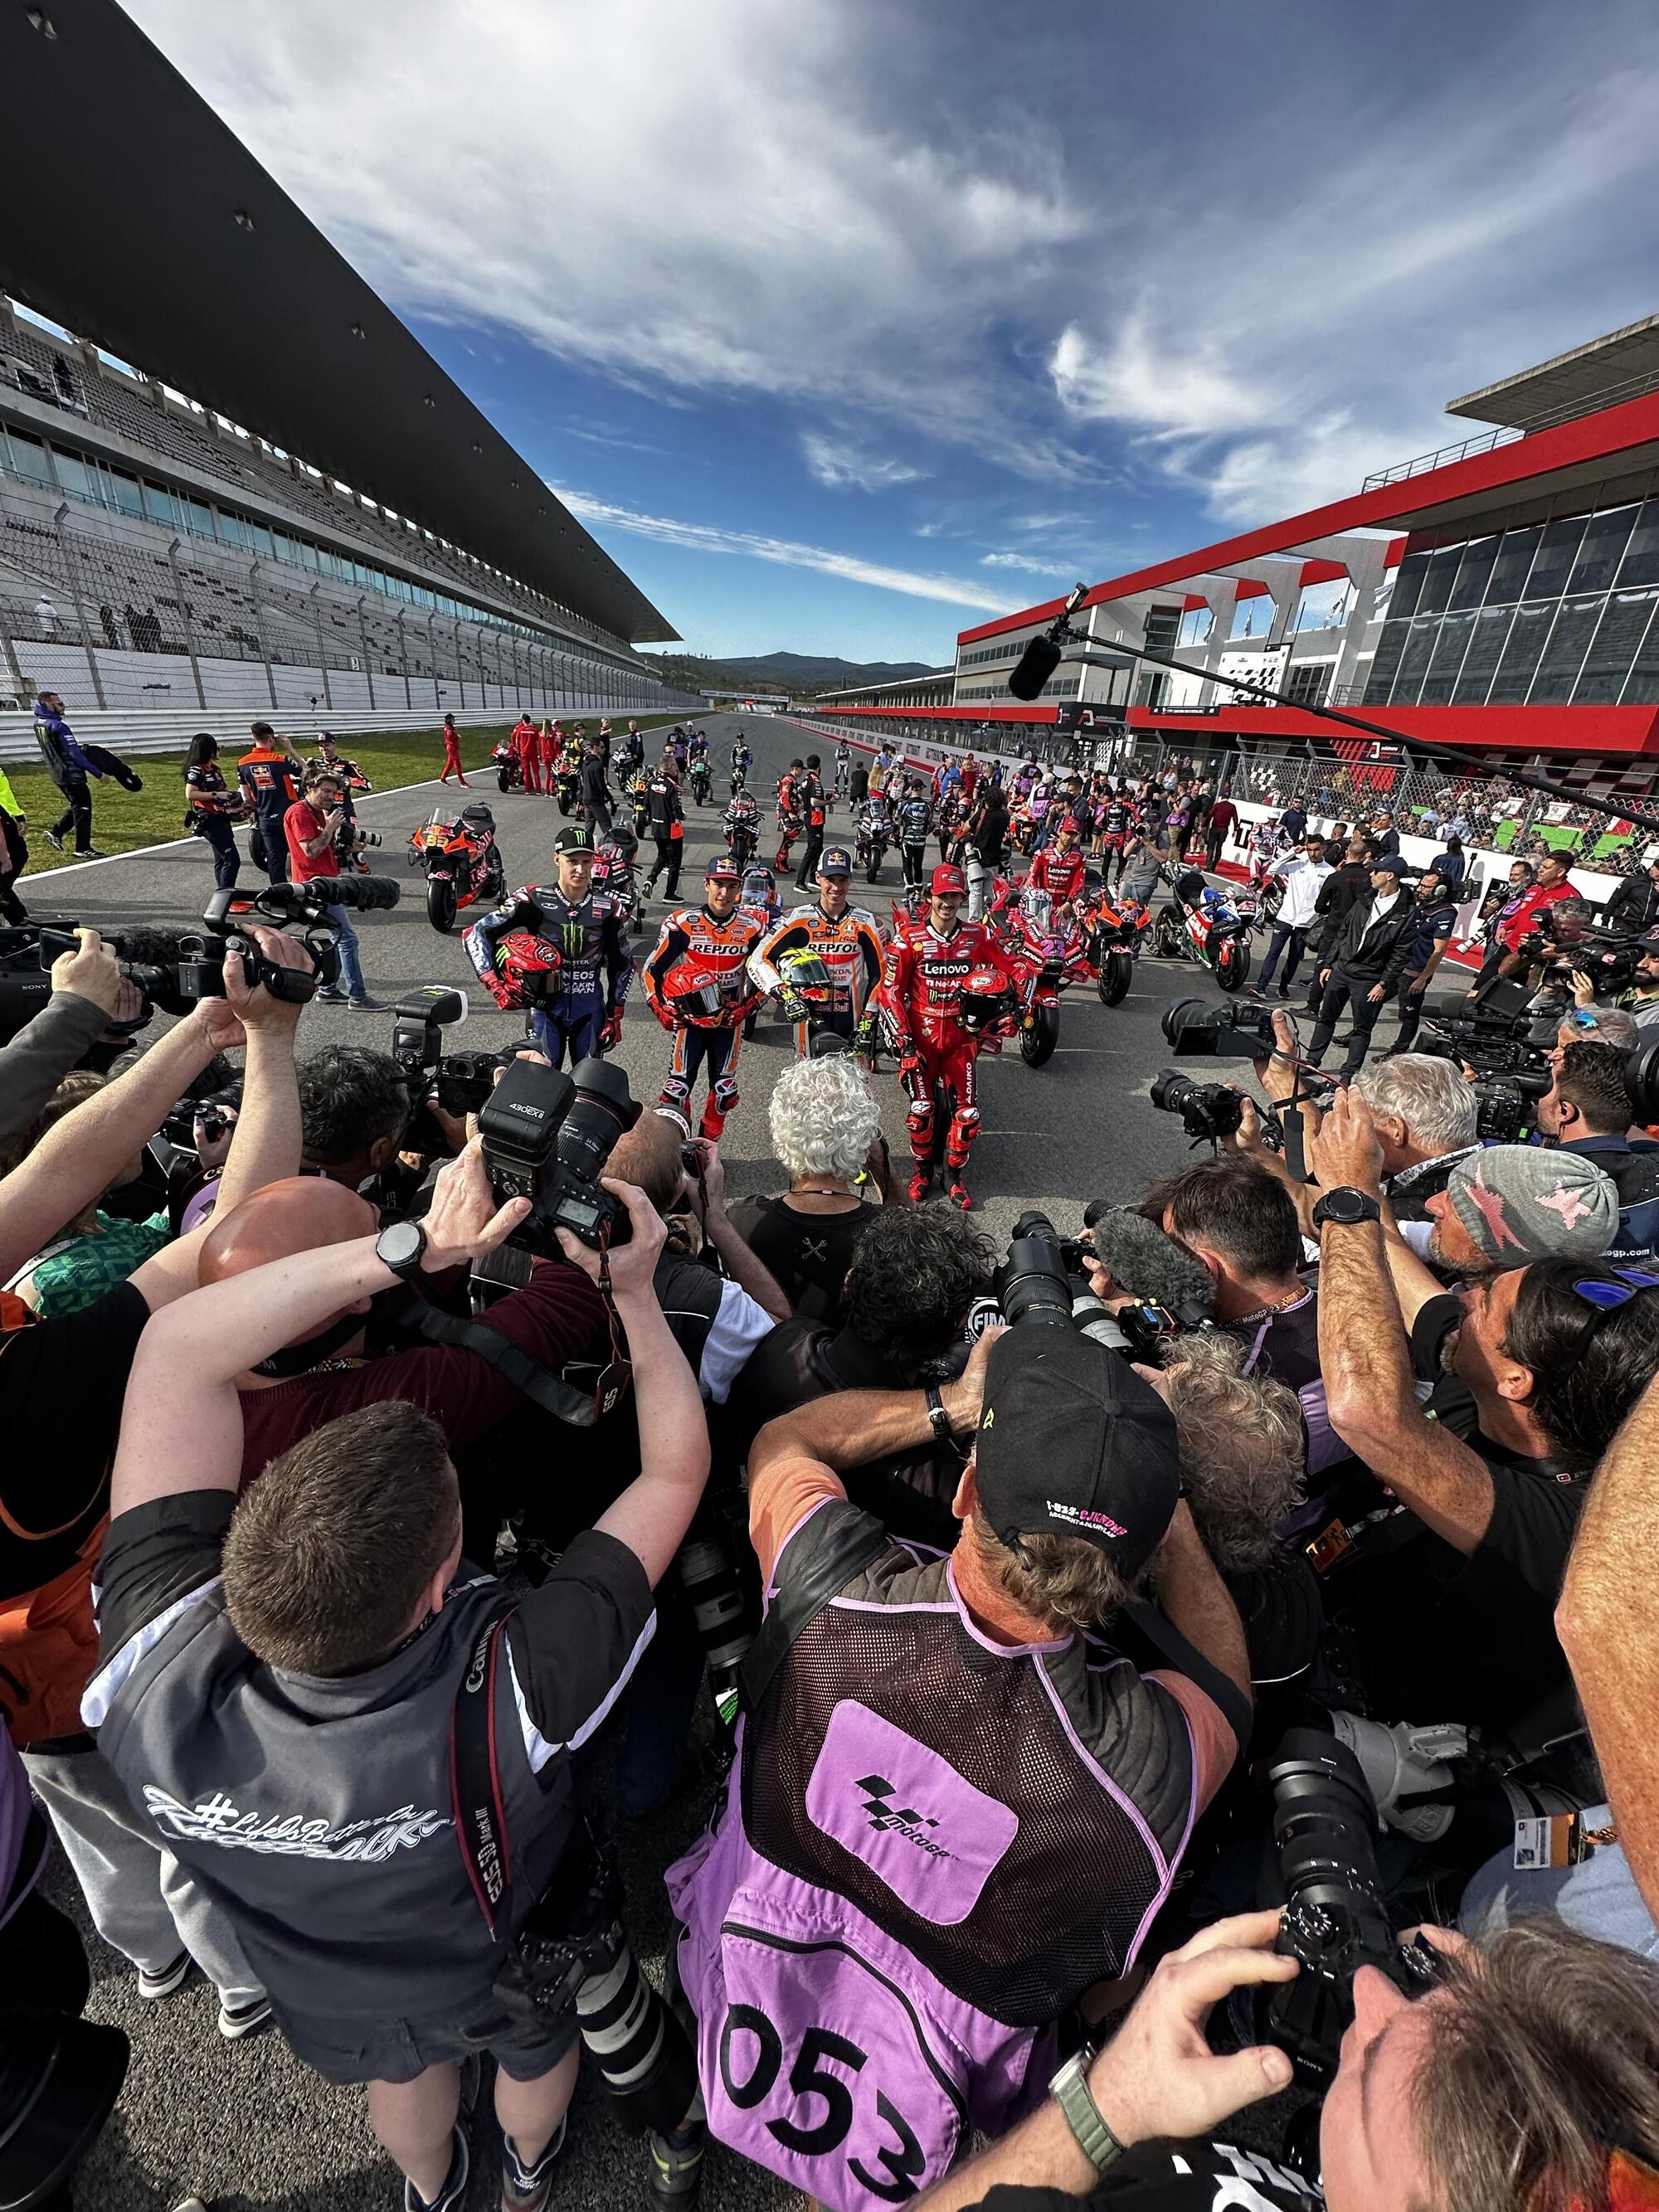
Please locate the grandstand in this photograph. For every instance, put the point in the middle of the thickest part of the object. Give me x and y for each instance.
(371, 553)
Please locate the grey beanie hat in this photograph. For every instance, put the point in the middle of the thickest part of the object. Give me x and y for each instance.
(1525, 1202)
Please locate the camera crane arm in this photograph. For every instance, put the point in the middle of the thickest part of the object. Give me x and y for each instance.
(1061, 636)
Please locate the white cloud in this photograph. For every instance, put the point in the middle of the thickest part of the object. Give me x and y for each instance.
(601, 514)
(841, 467)
(1270, 360)
(702, 198)
(1028, 560)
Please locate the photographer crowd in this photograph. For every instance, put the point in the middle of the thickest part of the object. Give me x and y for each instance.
(1195, 1658)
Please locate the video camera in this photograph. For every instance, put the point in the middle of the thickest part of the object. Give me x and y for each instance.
(1193, 1028)
(173, 968)
(547, 1137)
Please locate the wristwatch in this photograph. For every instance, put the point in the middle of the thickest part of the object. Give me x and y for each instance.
(1069, 2091)
(401, 1246)
(1347, 1207)
(938, 1419)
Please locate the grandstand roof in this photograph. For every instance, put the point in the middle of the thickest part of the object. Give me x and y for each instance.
(1620, 365)
(141, 222)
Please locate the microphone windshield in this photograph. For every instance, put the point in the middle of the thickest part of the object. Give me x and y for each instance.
(1034, 667)
(1143, 1261)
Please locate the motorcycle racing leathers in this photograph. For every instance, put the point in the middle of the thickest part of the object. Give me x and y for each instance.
(913, 818)
(1059, 874)
(850, 946)
(698, 944)
(920, 991)
(585, 1010)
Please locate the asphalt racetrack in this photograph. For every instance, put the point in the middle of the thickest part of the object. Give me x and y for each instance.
(243, 2126)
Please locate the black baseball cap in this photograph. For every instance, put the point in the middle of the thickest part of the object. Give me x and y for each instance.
(575, 837)
(835, 860)
(1072, 1443)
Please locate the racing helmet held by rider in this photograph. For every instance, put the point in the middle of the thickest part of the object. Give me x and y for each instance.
(986, 999)
(695, 996)
(528, 967)
(805, 975)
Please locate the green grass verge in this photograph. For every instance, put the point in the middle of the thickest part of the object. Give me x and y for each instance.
(125, 821)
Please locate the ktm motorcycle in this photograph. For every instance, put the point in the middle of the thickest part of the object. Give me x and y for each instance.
(462, 862)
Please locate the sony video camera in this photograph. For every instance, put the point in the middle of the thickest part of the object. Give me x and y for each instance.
(547, 1137)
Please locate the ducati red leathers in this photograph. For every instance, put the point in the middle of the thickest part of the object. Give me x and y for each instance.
(1059, 874)
(921, 990)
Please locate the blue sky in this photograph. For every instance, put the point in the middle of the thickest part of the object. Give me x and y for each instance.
(845, 324)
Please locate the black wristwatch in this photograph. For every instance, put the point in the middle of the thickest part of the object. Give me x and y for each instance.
(1347, 1207)
(401, 1246)
(938, 1419)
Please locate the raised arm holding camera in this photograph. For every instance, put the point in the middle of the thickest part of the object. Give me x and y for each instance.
(292, 1667)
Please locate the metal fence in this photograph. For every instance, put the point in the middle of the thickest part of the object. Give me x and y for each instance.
(1423, 800)
(123, 620)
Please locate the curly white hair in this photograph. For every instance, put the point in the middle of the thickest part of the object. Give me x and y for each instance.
(825, 1118)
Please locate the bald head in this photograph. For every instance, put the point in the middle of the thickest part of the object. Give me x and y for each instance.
(297, 1215)
(648, 1154)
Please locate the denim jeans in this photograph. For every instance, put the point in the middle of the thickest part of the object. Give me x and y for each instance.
(345, 940)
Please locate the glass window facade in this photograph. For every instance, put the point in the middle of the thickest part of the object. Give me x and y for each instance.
(1551, 614)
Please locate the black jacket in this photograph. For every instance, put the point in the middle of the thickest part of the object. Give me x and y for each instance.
(1377, 952)
(1338, 892)
(1635, 904)
(595, 794)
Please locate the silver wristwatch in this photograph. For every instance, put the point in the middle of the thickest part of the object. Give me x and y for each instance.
(1069, 2091)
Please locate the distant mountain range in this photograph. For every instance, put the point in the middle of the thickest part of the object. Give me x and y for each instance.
(787, 671)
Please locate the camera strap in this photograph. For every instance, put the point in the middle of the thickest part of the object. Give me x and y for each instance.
(1170, 1645)
(796, 1604)
(474, 1786)
(544, 1388)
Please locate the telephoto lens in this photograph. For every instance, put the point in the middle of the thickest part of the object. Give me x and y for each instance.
(709, 1576)
(1335, 1921)
(1032, 1284)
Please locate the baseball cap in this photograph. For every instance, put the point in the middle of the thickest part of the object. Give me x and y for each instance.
(1522, 1202)
(722, 869)
(574, 837)
(1072, 1443)
(835, 860)
(946, 879)
(1649, 943)
(1389, 864)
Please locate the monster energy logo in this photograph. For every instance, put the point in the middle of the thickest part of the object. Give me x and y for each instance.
(574, 934)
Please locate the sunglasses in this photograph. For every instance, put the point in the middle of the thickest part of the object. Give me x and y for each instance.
(1605, 1295)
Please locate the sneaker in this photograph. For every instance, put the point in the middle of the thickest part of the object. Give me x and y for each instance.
(237, 2021)
(89, 852)
(451, 2197)
(328, 996)
(920, 1186)
(363, 1005)
(675, 2172)
(1282, 991)
(158, 1982)
(961, 1196)
(53, 840)
(526, 2188)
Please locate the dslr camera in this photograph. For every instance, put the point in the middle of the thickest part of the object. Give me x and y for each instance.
(458, 1082)
(1325, 1827)
(547, 1137)
(1041, 1283)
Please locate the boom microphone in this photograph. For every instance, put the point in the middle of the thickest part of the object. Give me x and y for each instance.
(1141, 1259)
(368, 894)
(1042, 656)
